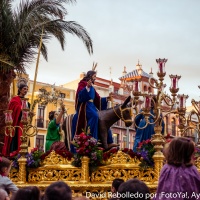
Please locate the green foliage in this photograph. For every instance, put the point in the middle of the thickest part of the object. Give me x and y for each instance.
(21, 29)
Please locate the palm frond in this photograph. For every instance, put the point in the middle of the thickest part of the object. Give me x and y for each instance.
(22, 28)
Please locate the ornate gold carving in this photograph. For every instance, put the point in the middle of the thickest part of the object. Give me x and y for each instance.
(197, 163)
(121, 158)
(85, 169)
(13, 175)
(158, 141)
(55, 159)
(61, 172)
(98, 186)
(108, 175)
(22, 170)
(121, 165)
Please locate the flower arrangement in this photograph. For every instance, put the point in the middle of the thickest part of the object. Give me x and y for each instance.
(131, 153)
(146, 151)
(86, 145)
(33, 158)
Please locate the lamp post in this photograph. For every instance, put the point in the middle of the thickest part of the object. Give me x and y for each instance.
(26, 133)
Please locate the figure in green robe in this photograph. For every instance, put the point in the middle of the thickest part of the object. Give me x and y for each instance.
(53, 131)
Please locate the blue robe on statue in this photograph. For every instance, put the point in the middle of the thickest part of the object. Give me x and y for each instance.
(87, 105)
(146, 133)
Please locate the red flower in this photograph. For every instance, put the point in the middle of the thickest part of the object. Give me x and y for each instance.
(125, 150)
(34, 149)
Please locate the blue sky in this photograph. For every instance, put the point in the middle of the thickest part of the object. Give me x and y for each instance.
(124, 31)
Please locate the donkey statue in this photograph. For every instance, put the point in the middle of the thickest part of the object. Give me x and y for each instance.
(106, 119)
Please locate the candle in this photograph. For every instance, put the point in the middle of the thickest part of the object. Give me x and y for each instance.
(161, 67)
(174, 83)
(24, 115)
(147, 102)
(181, 101)
(24, 104)
(8, 116)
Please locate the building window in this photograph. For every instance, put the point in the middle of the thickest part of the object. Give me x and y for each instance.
(124, 141)
(62, 95)
(40, 141)
(116, 138)
(40, 117)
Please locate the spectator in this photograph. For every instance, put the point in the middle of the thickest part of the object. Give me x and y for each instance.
(4, 195)
(80, 198)
(179, 175)
(115, 184)
(133, 189)
(27, 193)
(58, 191)
(5, 182)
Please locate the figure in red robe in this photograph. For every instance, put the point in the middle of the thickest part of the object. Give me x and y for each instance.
(12, 144)
(87, 104)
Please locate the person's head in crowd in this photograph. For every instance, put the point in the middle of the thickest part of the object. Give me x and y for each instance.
(180, 152)
(133, 187)
(58, 191)
(115, 184)
(5, 166)
(3, 195)
(80, 198)
(30, 193)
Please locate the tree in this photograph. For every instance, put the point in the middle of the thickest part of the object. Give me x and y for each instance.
(20, 33)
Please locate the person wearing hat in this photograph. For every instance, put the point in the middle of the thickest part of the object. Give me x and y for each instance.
(12, 144)
(87, 104)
